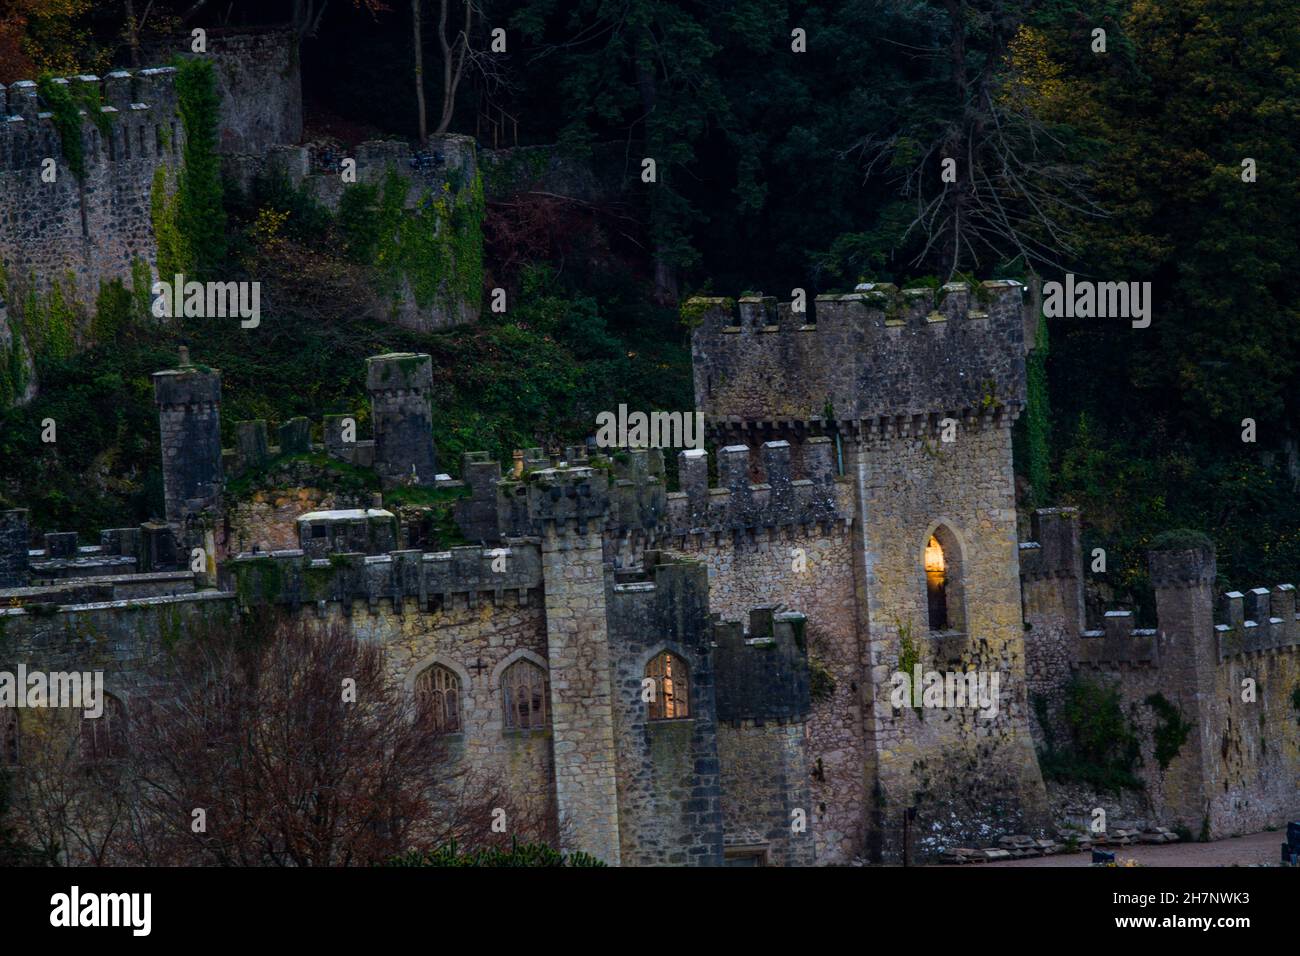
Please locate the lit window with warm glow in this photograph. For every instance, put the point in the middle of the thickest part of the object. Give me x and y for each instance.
(933, 555)
(671, 699)
(936, 585)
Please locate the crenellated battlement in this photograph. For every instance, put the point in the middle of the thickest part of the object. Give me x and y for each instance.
(137, 118)
(1243, 622)
(761, 671)
(503, 576)
(901, 359)
(63, 564)
(1117, 643)
(626, 494)
(1256, 620)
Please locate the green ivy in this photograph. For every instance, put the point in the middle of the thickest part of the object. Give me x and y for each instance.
(50, 320)
(163, 206)
(436, 249)
(1170, 732)
(66, 102)
(519, 854)
(1103, 749)
(200, 216)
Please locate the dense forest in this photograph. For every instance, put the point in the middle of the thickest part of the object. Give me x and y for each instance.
(797, 145)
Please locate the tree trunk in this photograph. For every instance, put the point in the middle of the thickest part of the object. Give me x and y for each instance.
(419, 66)
(454, 53)
(133, 34)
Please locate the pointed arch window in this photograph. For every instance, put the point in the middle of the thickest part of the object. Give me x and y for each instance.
(672, 698)
(523, 686)
(437, 693)
(943, 581)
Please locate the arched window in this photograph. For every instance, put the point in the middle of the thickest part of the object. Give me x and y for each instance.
(104, 737)
(9, 739)
(437, 691)
(943, 581)
(671, 700)
(523, 685)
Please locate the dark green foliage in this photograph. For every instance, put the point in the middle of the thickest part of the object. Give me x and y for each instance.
(1182, 539)
(115, 309)
(534, 376)
(1102, 749)
(1170, 732)
(1188, 90)
(66, 116)
(519, 854)
(200, 215)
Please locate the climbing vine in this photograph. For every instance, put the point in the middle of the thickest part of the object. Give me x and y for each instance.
(198, 215)
(172, 254)
(50, 320)
(1171, 730)
(66, 102)
(435, 249)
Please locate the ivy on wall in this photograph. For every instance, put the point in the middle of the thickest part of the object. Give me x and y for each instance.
(190, 224)
(435, 249)
(66, 102)
(50, 320)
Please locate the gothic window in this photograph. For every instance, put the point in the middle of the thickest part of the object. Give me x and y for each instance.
(9, 741)
(671, 677)
(104, 737)
(437, 690)
(943, 581)
(523, 684)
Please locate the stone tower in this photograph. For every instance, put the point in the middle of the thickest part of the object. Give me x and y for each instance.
(13, 548)
(400, 384)
(189, 418)
(916, 391)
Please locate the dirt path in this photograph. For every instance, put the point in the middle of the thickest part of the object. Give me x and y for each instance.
(1237, 851)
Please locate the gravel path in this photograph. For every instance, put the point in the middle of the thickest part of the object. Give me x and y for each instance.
(1237, 851)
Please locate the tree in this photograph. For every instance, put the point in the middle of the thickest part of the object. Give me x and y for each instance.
(290, 764)
(456, 27)
(639, 69)
(274, 743)
(988, 178)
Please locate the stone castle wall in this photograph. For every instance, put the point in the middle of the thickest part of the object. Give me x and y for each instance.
(669, 799)
(969, 777)
(878, 352)
(476, 643)
(258, 78)
(751, 572)
(94, 229)
(1237, 769)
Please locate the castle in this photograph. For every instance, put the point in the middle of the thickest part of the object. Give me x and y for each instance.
(862, 523)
